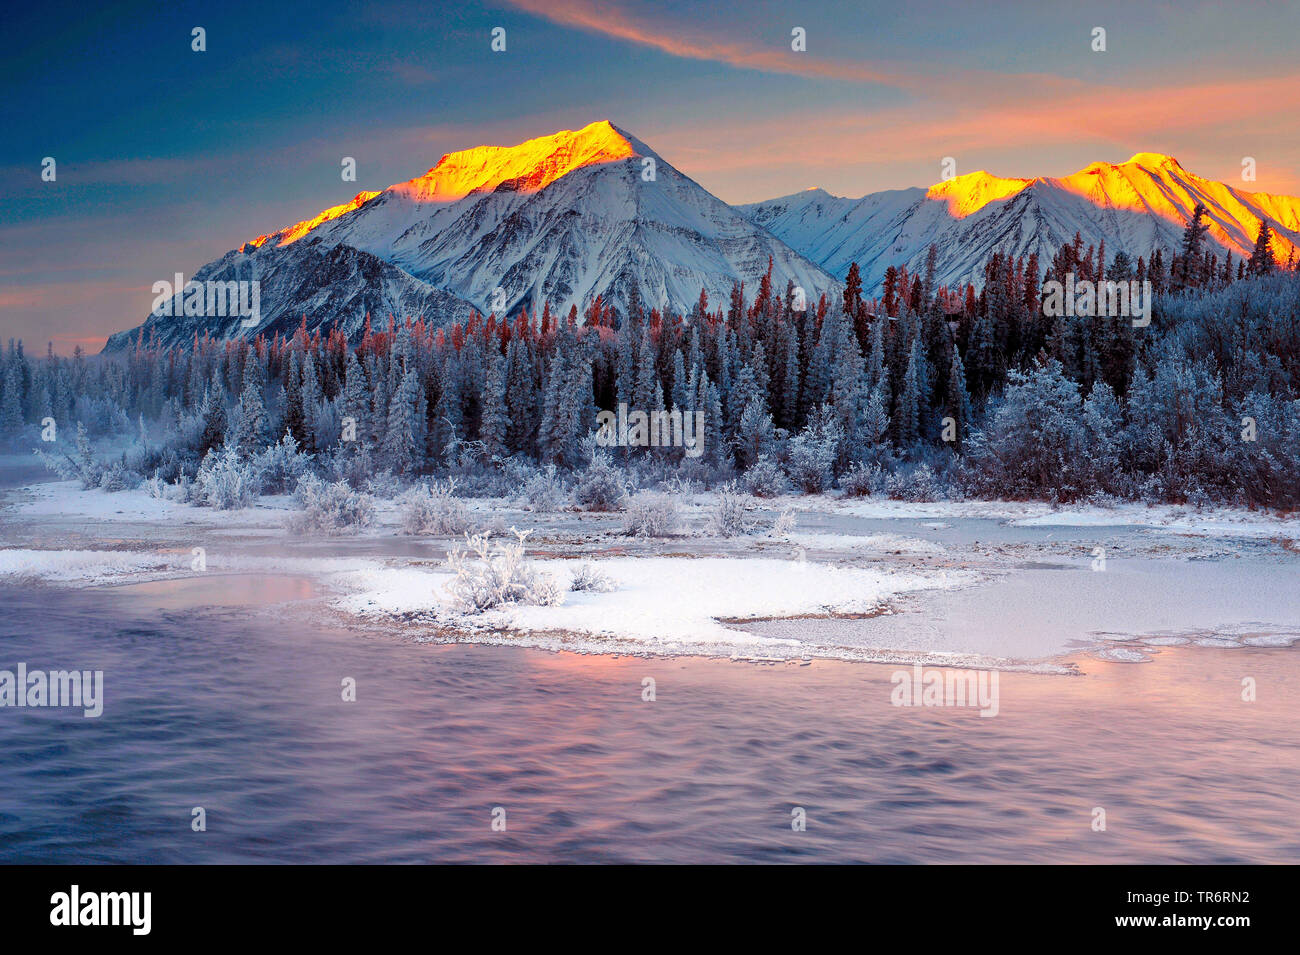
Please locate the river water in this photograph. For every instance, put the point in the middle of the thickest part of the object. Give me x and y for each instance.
(222, 693)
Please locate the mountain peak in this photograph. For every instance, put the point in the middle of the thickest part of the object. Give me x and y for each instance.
(1153, 161)
(525, 167)
(973, 191)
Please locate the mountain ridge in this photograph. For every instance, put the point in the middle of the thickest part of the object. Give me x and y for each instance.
(559, 219)
(1135, 206)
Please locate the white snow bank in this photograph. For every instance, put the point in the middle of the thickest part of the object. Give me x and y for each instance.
(91, 567)
(86, 566)
(1209, 521)
(659, 601)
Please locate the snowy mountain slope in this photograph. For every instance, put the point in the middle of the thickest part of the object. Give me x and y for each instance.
(305, 278)
(1134, 206)
(562, 219)
(559, 219)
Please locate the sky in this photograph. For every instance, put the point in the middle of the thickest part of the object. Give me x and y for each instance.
(167, 158)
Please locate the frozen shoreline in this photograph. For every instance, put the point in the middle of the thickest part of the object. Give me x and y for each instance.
(872, 580)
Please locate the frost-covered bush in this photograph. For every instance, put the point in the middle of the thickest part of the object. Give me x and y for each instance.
(116, 477)
(385, 485)
(225, 481)
(146, 458)
(332, 508)
(591, 579)
(651, 515)
(101, 416)
(862, 480)
(680, 486)
(766, 479)
(280, 466)
(83, 467)
(729, 516)
(812, 454)
(784, 524)
(915, 484)
(433, 509)
(347, 462)
(544, 492)
(155, 487)
(489, 574)
(601, 487)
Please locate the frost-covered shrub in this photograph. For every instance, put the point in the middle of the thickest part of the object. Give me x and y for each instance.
(426, 509)
(155, 487)
(766, 479)
(490, 574)
(862, 480)
(914, 484)
(145, 458)
(545, 491)
(280, 466)
(601, 487)
(729, 516)
(651, 515)
(347, 462)
(812, 454)
(330, 508)
(680, 486)
(385, 485)
(784, 523)
(83, 467)
(101, 416)
(116, 477)
(591, 579)
(225, 481)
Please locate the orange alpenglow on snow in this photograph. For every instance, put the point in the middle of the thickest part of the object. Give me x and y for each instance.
(300, 229)
(1147, 183)
(528, 167)
(972, 192)
(1158, 184)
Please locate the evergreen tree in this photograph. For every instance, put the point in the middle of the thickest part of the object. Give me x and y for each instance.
(253, 430)
(495, 422)
(1193, 237)
(401, 438)
(1261, 259)
(213, 414)
(958, 399)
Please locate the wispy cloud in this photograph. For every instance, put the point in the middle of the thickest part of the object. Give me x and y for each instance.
(690, 42)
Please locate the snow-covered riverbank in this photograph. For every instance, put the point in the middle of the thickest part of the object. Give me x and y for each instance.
(999, 584)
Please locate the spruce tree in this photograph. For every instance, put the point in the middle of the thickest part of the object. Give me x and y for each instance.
(1261, 259)
(1193, 238)
(494, 422)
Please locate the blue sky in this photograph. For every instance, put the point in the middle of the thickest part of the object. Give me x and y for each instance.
(167, 158)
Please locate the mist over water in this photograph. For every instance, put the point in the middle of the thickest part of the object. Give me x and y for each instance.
(237, 708)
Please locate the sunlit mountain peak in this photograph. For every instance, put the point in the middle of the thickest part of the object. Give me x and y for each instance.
(973, 191)
(296, 231)
(1153, 161)
(527, 167)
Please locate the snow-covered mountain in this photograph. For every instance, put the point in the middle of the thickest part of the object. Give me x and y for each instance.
(558, 219)
(1134, 206)
(328, 283)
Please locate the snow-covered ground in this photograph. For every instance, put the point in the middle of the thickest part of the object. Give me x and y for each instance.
(1006, 584)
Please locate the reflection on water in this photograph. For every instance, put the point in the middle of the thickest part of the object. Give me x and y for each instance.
(241, 713)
